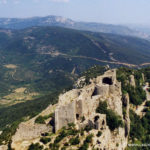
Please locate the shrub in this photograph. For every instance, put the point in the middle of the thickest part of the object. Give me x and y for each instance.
(74, 141)
(36, 146)
(148, 104)
(87, 128)
(83, 119)
(82, 132)
(84, 146)
(53, 146)
(89, 138)
(113, 120)
(63, 148)
(40, 120)
(45, 140)
(99, 134)
(66, 144)
(86, 142)
(102, 108)
(71, 125)
(136, 128)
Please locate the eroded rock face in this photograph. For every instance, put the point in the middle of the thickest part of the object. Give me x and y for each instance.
(126, 105)
(132, 81)
(78, 106)
(83, 102)
(3, 147)
(29, 132)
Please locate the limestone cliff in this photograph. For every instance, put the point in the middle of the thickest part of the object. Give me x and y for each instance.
(82, 103)
(132, 81)
(78, 106)
(30, 132)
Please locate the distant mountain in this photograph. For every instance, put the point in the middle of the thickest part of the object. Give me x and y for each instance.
(145, 29)
(17, 23)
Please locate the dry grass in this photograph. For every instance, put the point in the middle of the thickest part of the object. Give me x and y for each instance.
(20, 90)
(10, 66)
(19, 95)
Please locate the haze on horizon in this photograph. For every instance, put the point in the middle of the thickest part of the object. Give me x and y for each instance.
(104, 11)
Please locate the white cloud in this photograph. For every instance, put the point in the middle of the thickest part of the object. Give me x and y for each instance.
(60, 0)
(3, 1)
(17, 1)
(6, 1)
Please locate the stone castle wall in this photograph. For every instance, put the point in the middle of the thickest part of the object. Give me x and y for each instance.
(79, 103)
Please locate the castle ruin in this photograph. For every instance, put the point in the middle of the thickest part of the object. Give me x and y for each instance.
(78, 105)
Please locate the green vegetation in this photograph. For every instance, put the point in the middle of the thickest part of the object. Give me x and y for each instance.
(139, 127)
(137, 130)
(54, 146)
(87, 128)
(146, 72)
(25, 61)
(113, 120)
(99, 134)
(93, 72)
(140, 130)
(45, 140)
(74, 141)
(15, 114)
(36, 146)
(41, 119)
(137, 94)
(147, 104)
(102, 108)
(66, 132)
(86, 143)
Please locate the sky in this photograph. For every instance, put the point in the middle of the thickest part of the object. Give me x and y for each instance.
(104, 11)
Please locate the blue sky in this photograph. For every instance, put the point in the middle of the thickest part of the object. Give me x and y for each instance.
(106, 11)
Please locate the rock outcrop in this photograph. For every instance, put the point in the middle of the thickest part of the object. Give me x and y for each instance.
(126, 105)
(30, 132)
(132, 81)
(77, 104)
(3, 147)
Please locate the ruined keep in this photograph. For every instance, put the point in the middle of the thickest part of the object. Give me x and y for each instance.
(81, 103)
(78, 106)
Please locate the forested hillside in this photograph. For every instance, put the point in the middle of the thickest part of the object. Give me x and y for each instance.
(38, 63)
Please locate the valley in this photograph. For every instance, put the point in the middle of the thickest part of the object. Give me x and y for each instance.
(34, 58)
(37, 64)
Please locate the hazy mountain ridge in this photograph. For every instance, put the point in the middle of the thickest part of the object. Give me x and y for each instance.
(20, 23)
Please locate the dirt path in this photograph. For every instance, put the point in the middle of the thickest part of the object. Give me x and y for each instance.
(114, 61)
(100, 60)
(145, 64)
(139, 110)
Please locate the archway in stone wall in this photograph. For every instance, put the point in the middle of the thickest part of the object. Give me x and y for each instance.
(96, 118)
(107, 80)
(77, 116)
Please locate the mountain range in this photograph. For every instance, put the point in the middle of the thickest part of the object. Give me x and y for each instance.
(20, 23)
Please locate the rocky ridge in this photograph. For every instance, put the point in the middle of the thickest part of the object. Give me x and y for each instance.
(78, 106)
